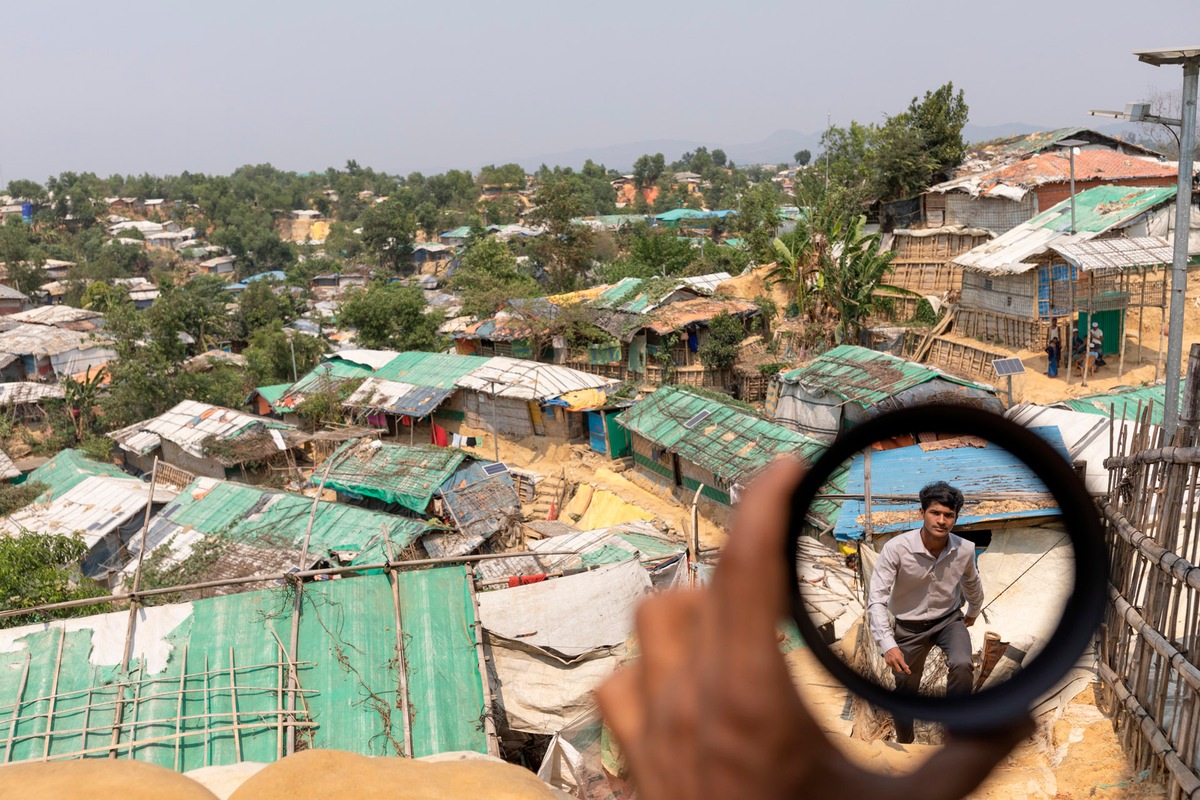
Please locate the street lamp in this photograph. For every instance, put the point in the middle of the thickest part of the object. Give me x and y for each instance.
(1189, 58)
(1073, 146)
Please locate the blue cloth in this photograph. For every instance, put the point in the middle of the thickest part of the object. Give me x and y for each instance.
(693, 341)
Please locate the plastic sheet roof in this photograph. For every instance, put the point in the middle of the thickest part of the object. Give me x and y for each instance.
(17, 393)
(438, 370)
(189, 424)
(247, 515)
(330, 373)
(46, 340)
(55, 315)
(366, 358)
(93, 508)
(1097, 211)
(732, 444)
(395, 397)
(1014, 180)
(1116, 254)
(866, 377)
(1125, 402)
(68, 469)
(409, 475)
(224, 647)
(677, 316)
(529, 380)
(974, 470)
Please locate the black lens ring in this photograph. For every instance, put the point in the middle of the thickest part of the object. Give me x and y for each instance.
(993, 707)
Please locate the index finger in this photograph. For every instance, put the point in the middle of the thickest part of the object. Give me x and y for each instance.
(751, 580)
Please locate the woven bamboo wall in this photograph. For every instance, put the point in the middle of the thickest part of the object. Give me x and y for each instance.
(1001, 329)
(965, 359)
(1013, 295)
(994, 213)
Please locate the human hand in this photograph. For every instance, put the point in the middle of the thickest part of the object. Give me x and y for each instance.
(969, 621)
(709, 709)
(895, 659)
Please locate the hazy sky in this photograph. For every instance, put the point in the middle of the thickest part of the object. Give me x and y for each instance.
(163, 87)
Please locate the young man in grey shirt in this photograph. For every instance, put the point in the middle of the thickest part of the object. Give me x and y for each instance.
(922, 577)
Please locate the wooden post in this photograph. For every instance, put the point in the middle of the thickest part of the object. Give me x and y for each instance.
(178, 705)
(1121, 359)
(1189, 407)
(62, 640)
(868, 526)
(237, 734)
(16, 712)
(401, 660)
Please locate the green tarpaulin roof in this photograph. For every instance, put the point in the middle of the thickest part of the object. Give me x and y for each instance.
(395, 473)
(248, 515)
(730, 443)
(1101, 207)
(191, 660)
(67, 470)
(329, 373)
(272, 393)
(435, 370)
(864, 376)
(1125, 403)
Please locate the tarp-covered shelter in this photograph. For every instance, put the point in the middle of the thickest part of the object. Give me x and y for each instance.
(205, 439)
(240, 526)
(67, 469)
(481, 501)
(1087, 437)
(686, 440)
(998, 487)
(552, 643)
(848, 384)
(207, 680)
(393, 474)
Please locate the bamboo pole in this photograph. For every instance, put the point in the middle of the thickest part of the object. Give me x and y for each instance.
(280, 576)
(12, 727)
(237, 733)
(207, 728)
(171, 736)
(401, 658)
(179, 702)
(62, 640)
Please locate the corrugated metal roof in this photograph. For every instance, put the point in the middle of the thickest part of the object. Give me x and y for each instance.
(55, 315)
(47, 340)
(1115, 254)
(398, 398)
(1086, 437)
(192, 644)
(409, 475)
(68, 469)
(28, 392)
(438, 370)
(272, 393)
(865, 376)
(1015, 179)
(529, 380)
(7, 468)
(94, 508)
(1125, 402)
(189, 424)
(238, 513)
(974, 470)
(1097, 211)
(481, 505)
(730, 443)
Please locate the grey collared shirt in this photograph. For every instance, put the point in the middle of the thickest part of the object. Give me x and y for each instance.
(915, 586)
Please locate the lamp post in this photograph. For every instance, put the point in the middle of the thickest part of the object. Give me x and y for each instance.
(1189, 59)
(1072, 146)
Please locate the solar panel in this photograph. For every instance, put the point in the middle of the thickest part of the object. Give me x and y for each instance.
(1008, 366)
(696, 420)
(496, 468)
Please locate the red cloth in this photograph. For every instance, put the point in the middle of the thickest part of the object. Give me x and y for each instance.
(524, 580)
(440, 436)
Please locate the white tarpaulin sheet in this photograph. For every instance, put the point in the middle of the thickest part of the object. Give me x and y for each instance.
(553, 643)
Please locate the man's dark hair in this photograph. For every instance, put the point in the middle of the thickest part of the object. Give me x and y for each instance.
(941, 492)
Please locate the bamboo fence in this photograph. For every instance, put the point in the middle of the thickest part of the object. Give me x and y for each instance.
(1150, 641)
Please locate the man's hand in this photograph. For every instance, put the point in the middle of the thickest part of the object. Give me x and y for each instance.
(709, 710)
(969, 621)
(895, 659)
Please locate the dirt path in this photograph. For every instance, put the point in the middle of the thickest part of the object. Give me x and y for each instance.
(1071, 756)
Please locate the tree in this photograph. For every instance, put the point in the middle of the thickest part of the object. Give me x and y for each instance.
(269, 354)
(720, 348)
(32, 191)
(564, 248)
(388, 230)
(488, 276)
(802, 157)
(757, 219)
(509, 176)
(939, 119)
(38, 569)
(853, 270)
(389, 316)
(263, 303)
(647, 170)
(103, 297)
(901, 165)
(719, 158)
